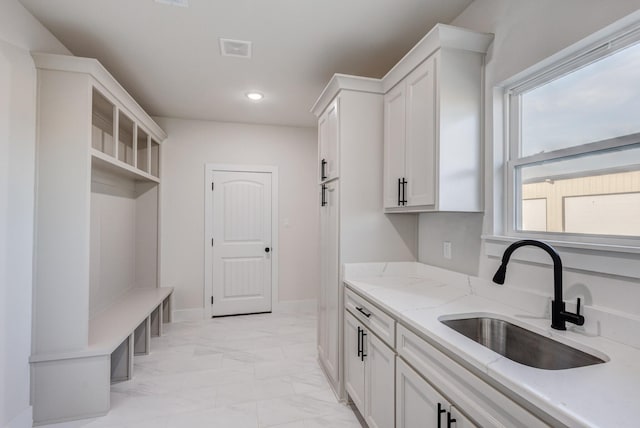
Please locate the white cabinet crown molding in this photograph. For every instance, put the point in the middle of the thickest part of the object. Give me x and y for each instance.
(92, 67)
(345, 81)
(440, 36)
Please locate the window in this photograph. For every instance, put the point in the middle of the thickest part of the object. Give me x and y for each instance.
(574, 147)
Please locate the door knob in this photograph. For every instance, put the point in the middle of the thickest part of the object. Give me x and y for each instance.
(267, 249)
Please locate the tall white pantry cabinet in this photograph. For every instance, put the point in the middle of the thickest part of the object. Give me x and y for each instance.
(406, 143)
(353, 226)
(96, 297)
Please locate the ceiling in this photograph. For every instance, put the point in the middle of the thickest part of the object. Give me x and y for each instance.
(168, 57)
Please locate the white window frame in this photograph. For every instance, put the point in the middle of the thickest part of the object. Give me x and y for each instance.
(594, 253)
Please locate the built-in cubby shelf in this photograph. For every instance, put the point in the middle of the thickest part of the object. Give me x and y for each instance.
(136, 149)
(105, 162)
(97, 292)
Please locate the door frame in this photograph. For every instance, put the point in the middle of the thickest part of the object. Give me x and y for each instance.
(208, 227)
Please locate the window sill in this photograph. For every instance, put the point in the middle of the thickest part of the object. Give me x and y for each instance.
(617, 260)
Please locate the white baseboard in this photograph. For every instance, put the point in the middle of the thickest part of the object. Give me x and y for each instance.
(181, 315)
(308, 306)
(23, 420)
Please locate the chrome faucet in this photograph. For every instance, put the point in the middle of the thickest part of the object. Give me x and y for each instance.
(558, 313)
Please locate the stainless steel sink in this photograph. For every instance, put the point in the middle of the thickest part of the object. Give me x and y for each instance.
(521, 345)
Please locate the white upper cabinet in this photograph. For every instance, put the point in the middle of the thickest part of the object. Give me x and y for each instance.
(328, 143)
(394, 159)
(432, 124)
(410, 139)
(420, 139)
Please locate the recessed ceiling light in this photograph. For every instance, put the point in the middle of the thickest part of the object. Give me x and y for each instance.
(255, 96)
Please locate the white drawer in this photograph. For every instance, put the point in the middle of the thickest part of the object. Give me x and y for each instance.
(375, 319)
(483, 403)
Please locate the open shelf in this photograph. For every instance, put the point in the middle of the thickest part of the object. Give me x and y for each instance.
(136, 152)
(142, 158)
(105, 162)
(102, 114)
(155, 159)
(125, 139)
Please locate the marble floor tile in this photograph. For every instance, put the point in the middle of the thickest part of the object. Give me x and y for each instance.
(253, 371)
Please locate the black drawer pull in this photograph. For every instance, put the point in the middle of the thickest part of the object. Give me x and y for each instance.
(323, 202)
(450, 420)
(363, 312)
(441, 410)
(403, 201)
(363, 354)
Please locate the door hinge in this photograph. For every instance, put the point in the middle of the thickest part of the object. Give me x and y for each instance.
(212, 186)
(212, 300)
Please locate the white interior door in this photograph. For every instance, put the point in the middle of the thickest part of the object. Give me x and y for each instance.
(241, 271)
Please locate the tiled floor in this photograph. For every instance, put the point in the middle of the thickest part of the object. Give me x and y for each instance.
(249, 371)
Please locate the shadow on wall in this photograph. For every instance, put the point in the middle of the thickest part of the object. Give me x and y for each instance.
(462, 230)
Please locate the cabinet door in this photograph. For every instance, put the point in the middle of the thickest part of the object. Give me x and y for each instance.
(394, 144)
(323, 136)
(328, 129)
(461, 421)
(379, 383)
(354, 371)
(330, 282)
(417, 403)
(322, 292)
(420, 146)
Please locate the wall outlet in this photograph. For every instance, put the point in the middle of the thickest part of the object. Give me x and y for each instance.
(446, 250)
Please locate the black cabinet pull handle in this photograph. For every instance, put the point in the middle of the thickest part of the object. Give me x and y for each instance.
(404, 191)
(267, 249)
(359, 341)
(441, 410)
(324, 198)
(363, 312)
(399, 186)
(323, 174)
(362, 355)
(450, 420)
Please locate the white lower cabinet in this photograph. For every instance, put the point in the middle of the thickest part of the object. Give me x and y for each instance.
(481, 401)
(329, 302)
(353, 361)
(403, 381)
(419, 405)
(379, 380)
(369, 374)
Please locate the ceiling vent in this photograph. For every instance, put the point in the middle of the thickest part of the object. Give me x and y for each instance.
(237, 48)
(181, 3)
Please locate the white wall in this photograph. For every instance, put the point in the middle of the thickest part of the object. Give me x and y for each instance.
(113, 245)
(19, 33)
(192, 144)
(526, 32)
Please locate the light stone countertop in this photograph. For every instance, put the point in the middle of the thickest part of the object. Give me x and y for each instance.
(418, 296)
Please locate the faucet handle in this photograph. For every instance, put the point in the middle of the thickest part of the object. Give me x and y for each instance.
(578, 307)
(576, 318)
